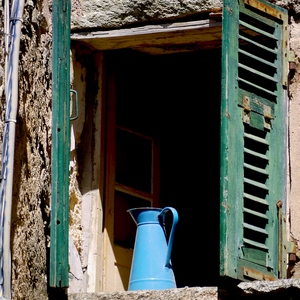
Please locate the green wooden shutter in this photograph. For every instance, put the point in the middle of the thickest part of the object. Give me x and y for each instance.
(59, 234)
(253, 131)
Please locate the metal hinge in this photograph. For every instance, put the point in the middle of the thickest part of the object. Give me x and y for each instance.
(287, 249)
(291, 60)
(292, 63)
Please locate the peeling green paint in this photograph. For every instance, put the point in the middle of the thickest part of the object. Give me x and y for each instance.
(59, 237)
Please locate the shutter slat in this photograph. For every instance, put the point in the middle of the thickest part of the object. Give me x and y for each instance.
(256, 183)
(255, 228)
(274, 51)
(257, 58)
(256, 138)
(256, 244)
(263, 156)
(256, 169)
(255, 213)
(256, 199)
(267, 34)
(257, 86)
(256, 72)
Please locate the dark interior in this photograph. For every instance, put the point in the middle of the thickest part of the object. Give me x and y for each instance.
(176, 97)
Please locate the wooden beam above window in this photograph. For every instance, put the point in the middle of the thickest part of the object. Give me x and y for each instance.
(157, 39)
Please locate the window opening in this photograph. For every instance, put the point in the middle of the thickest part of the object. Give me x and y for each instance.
(164, 100)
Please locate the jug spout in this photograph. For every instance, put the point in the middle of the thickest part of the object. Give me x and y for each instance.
(151, 264)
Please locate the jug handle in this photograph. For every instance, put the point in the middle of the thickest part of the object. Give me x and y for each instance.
(161, 216)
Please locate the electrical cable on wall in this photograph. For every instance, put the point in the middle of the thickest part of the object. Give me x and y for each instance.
(12, 31)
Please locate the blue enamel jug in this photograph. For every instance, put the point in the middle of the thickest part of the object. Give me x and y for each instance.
(151, 267)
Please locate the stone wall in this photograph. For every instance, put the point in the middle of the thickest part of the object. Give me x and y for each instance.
(114, 13)
(293, 187)
(31, 191)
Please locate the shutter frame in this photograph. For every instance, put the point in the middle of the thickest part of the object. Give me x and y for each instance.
(241, 257)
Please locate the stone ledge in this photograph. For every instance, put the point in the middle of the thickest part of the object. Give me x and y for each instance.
(263, 287)
(285, 289)
(205, 293)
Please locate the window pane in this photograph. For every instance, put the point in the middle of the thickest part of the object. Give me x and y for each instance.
(133, 161)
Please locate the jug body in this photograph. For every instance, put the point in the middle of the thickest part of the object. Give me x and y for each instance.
(151, 267)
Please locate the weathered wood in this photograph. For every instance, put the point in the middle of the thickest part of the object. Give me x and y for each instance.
(133, 192)
(59, 247)
(252, 155)
(157, 39)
